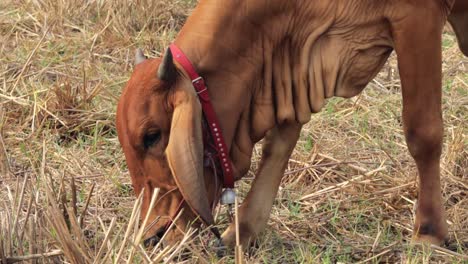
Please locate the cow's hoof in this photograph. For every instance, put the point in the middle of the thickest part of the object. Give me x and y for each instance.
(428, 239)
(430, 232)
(229, 237)
(218, 246)
(245, 234)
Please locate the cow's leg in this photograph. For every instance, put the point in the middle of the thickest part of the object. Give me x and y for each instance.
(418, 46)
(255, 210)
(459, 21)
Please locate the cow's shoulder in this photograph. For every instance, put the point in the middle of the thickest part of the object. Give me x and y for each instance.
(411, 10)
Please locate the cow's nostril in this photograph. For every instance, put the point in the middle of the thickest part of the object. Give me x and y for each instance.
(154, 240)
(160, 233)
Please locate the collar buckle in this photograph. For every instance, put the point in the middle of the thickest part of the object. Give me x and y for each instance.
(196, 80)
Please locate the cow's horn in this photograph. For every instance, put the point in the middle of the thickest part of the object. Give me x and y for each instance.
(185, 156)
(139, 56)
(167, 70)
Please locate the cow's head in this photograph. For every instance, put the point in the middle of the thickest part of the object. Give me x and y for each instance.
(159, 122)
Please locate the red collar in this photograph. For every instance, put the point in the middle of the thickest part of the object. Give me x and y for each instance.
(210, 115)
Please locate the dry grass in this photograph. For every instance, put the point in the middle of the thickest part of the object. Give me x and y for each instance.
(65, 194)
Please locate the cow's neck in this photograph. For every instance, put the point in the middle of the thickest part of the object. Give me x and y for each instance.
(226, 55)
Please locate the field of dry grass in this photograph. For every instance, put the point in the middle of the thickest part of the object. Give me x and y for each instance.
(65, 193)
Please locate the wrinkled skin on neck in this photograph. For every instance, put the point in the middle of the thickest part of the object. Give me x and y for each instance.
(265, 63)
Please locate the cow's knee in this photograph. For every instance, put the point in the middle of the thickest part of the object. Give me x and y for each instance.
(424, 142)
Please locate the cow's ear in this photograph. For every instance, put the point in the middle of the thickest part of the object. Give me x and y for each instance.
(139, 56)
(167, 70)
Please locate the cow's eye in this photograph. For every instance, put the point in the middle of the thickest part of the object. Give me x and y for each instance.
(151, 139)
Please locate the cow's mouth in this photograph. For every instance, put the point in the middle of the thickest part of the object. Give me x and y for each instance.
(155, 239)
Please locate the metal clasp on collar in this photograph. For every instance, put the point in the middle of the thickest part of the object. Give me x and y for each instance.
(199, 92)
(196, 82)
(197, 79)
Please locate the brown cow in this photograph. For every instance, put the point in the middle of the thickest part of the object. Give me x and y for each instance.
(269, 64)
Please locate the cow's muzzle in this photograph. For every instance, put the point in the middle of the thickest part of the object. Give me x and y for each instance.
(155, 239)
